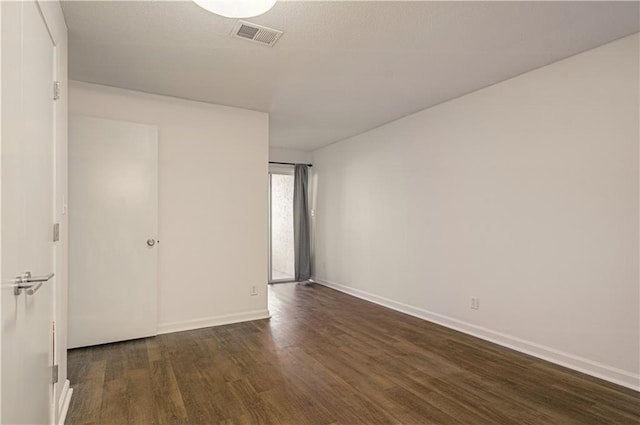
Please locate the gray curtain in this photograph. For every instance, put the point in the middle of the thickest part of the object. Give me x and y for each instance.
(301, 233)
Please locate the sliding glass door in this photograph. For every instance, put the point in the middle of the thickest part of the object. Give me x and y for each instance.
(281, 254)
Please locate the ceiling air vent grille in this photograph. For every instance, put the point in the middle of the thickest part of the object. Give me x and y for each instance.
(256, 33)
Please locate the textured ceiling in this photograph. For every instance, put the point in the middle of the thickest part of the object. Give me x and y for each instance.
(341, 67)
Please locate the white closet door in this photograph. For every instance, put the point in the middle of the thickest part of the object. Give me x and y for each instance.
(113, 226)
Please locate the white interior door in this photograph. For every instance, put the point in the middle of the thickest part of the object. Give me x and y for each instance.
(27, 214)
(113, 226)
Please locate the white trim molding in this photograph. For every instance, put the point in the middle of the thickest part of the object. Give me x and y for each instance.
(63, 402)
(205, 322)
(608, 373)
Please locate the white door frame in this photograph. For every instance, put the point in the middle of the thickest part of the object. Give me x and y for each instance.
(0, 208)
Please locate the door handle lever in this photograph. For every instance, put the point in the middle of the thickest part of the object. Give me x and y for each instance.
(29, 283)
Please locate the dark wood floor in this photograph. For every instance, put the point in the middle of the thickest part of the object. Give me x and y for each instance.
(328, 358)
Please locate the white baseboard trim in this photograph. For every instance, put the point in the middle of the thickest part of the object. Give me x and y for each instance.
(205, 322)
(63, 402)
(580, 364)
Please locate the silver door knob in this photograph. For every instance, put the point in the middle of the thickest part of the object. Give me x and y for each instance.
(151, 242)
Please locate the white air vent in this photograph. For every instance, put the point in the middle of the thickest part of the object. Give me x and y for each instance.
(256, 33)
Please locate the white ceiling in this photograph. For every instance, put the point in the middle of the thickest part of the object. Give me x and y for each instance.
(341, 67)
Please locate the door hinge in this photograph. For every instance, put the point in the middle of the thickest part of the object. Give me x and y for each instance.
(56, 90)
(54, 374)
(56, 232)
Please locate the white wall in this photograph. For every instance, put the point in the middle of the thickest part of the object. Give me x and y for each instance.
(212, 177)
(524, 194)
(290, 155)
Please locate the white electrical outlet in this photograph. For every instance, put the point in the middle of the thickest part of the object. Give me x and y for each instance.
(475, 303)
(254, 290)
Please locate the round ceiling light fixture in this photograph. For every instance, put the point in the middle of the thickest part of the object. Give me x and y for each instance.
(236, 8)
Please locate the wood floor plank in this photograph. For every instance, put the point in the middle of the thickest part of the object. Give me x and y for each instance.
(86, 405)
(297, 407)
(326, 358)
(168, 399)
(114, 402)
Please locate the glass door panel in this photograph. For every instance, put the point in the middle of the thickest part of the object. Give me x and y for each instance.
(281, 232)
